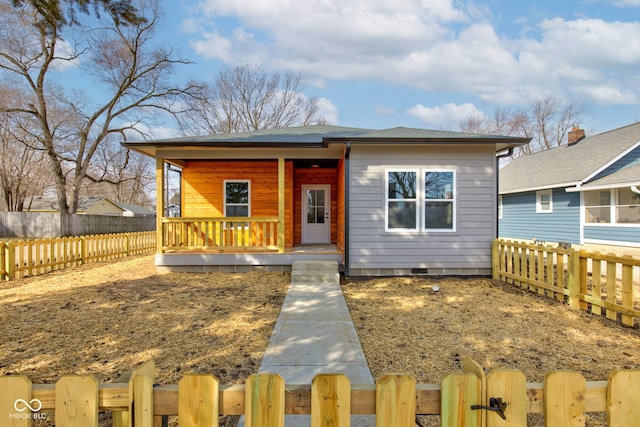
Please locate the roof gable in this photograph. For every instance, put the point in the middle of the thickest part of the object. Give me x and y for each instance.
(569, 165)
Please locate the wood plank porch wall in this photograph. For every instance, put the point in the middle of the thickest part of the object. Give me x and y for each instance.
(203, 188)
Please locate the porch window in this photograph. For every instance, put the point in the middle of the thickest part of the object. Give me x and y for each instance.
(598, 206)
(236, 198)
(439, 200)
(402, 201)
(620, 206)
(544, 201)
(627, 206)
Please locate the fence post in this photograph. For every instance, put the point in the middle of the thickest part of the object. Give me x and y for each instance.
(127, 243)
(83, 250)
(495, 260)
(574, 279)
(11, 261)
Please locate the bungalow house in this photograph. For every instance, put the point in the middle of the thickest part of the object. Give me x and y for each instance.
(587, 191)
(380, 202)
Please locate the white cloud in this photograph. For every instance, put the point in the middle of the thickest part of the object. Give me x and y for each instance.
(447, 116)
(328, 111)
(428, 44)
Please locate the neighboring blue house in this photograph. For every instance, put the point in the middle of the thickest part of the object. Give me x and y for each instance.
(587, 191)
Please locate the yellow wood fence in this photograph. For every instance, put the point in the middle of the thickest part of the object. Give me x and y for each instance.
(469, 398)
(602, 284)
(33, 257)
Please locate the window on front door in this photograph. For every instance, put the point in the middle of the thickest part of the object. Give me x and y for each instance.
(236, 198)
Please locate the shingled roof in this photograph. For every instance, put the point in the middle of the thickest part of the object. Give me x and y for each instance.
(319, 136)
(574, 165)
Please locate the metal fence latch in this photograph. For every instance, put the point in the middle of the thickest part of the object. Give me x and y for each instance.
(495, 404)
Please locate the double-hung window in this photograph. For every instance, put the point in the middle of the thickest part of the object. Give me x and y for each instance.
(420, 199)
(402, 202)
(236, 198)
(544, 201)
(439, 203)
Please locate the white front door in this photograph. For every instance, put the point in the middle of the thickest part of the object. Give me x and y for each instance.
(316, 214)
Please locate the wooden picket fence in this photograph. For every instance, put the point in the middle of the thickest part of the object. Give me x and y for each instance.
(602, 284)
(32, 257)
(469, 398)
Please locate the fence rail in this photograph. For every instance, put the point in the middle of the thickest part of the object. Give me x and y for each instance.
(220, 233)
(33, 257)
(198, 400)
(602, 284)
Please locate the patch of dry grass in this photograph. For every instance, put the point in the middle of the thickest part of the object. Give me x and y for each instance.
(405, 326)
(107, 319)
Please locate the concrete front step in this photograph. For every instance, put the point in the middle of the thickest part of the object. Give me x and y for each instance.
(306, 278)
(315, 265)
(305, 272)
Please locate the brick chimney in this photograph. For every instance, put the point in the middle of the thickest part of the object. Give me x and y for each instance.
(575, 135)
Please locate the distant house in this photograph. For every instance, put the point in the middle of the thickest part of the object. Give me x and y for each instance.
(135, 210)
(380, 202)
(93, 205)
(587, 191)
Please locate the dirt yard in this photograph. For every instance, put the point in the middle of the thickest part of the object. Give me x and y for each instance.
(105, 319)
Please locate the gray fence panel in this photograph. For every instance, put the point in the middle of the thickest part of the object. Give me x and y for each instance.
(51, 224)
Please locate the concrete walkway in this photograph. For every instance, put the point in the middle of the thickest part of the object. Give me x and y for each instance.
(314, 334)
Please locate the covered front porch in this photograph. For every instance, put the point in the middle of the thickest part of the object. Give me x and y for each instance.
(292, 207)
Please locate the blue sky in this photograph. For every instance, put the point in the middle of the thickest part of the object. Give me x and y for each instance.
(425, 63)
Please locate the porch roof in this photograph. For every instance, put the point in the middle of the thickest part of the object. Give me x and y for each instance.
(321, 136)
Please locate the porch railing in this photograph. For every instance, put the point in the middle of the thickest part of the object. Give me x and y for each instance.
(223, 233)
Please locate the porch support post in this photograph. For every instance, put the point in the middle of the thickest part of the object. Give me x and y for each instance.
(281, 204)
(159, 202)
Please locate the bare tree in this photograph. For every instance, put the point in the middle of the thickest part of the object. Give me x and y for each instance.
(121, 175)
(546, 122)
(23, 173)
(119, 57)
(246, 98)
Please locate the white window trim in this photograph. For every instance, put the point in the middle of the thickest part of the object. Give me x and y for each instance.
(613, 215)
(453, 200)
(539, 195)
(500, 208)
(420, 200)
(224, 196)
(387, 200)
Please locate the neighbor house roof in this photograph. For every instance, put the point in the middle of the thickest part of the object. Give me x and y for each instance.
(319, 136)
(576, 165)
(50, 203)
(136, 209)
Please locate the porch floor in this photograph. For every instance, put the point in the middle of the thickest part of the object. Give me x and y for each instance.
(244, 260)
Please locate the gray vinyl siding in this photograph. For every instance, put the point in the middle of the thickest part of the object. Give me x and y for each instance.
(465, 251)
(520, 220)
